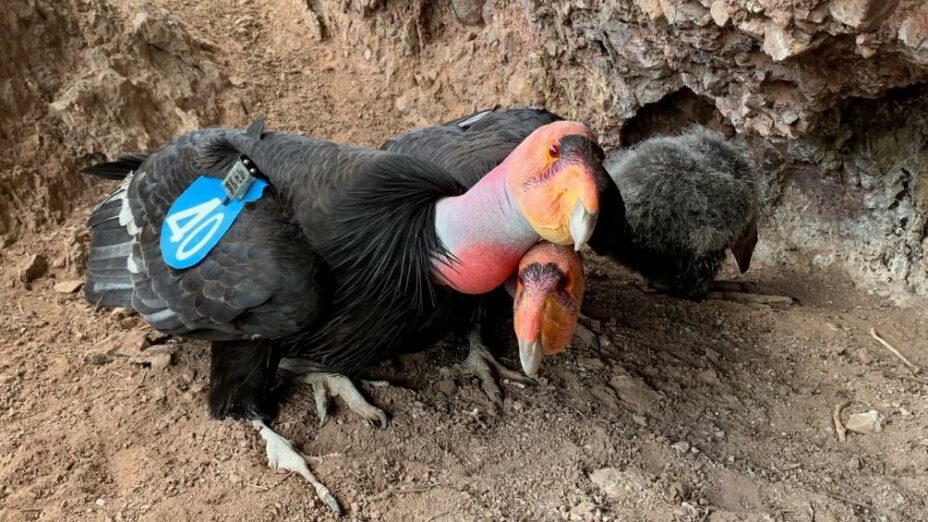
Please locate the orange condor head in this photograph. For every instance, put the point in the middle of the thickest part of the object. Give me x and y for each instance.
(554, 177)
(547, 297)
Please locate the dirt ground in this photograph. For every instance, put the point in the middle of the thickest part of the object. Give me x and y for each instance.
(661, 409)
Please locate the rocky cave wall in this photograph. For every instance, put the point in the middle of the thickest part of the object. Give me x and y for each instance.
(83, 79)
(829, 95)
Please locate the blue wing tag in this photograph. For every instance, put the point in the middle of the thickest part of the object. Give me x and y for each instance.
(204, 213)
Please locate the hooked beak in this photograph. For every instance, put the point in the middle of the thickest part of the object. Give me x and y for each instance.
(528, 321)
(581, 225)
(530, 354)
(743, 247)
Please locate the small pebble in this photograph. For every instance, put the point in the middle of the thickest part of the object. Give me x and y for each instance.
(160, 361)
(853, 464)
(141, 341)
(120, 312)
(864, 356)
(617, 484)
(591, 363)
(586, 336)
(127, 323)
(33, 268)
(97, 358)
(682, 447)
(869, 422)
(581, 511)
(68, 287)
(447, 387)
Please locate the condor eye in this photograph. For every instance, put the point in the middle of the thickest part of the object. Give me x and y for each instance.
(554, 151)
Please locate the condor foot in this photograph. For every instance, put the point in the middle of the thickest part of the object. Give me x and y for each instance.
(329, 385)
(481, 364)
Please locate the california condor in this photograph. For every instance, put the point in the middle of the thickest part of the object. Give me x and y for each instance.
(351, 254)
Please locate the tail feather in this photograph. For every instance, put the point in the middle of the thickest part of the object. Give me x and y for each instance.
(108, 266)
(109, 233)
(118, 169)
(107, 210)
(109, 282)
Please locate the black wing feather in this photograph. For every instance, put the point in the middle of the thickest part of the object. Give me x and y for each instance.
(251, 268)
(360, 220)
(471, 146)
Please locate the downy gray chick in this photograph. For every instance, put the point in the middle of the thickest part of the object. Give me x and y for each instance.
(688, 199)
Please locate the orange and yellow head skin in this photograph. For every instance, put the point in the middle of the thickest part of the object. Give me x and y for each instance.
(554, 175)
(548, 293)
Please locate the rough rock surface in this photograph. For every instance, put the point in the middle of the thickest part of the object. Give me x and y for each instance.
(830, 95)
(81, 77)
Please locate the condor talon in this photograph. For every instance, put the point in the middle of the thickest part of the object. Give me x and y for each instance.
(483, 365)
(326, 386)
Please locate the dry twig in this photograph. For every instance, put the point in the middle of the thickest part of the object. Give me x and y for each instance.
(748, 298)
(836, 417)
(849, 501)
(894, 351)
(394, 490)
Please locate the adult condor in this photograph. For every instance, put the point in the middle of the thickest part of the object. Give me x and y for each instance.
(275, 246)
(675, 205)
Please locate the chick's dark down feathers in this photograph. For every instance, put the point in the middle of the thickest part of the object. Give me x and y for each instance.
(688, 199)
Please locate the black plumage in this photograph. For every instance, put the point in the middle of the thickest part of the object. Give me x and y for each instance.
(333, 269)
(676, 204)
(470, 147)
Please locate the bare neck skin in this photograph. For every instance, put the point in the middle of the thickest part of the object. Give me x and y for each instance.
(484, 230)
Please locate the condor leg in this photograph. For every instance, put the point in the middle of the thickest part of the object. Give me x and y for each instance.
(482, 364)
(242, 375)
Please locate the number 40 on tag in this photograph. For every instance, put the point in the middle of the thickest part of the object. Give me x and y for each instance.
(198, 220)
